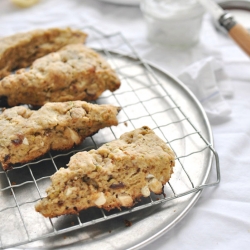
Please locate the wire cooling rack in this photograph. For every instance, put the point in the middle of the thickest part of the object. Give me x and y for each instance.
(144, 101)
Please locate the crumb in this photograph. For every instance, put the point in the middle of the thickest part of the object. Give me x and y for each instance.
(126, 124)
(13, 183)
(64, 237)
(128, 223)
(110, 231)
(72, 223)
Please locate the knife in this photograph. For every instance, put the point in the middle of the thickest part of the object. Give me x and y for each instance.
(235, 30)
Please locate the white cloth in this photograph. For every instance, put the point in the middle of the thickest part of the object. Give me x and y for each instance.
(208, 81)
(220, 219)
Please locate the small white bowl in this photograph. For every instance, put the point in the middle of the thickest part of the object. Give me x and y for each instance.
(173, 22)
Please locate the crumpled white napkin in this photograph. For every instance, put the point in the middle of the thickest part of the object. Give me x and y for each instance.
(210, 84)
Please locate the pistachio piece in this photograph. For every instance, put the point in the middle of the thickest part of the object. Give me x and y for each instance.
(74, 136)
(68, 192)
(101, 199)
(145, 191)
(150, 176)
(125, 200)
(25, 141)
(155, 186)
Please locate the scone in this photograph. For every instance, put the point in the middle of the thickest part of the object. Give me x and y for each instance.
(20, 50)
(26, 134)
(113, 176)
(73, 73)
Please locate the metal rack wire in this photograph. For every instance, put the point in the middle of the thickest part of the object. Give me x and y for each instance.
(144, 101)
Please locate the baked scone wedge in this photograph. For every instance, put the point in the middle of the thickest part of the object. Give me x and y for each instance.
(113, 176)
(73, 73)
(22, 49)
(27, 134)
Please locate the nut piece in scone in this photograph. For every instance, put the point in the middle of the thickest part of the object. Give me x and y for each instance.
(20, 50)
(113, 176)
(73, 73)
(27, 134)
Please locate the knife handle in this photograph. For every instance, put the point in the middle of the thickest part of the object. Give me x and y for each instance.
(241, 36)
(236, 31)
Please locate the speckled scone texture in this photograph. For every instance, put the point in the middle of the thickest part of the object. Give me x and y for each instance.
(26, 134)
(20, 50)
(113, 176)
(73, 73)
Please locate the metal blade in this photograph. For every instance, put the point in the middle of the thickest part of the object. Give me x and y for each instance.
(213, 8)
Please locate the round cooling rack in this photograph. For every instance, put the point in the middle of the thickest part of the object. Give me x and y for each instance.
(148, 96)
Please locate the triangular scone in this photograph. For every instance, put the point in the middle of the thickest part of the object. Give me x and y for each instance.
(73, 73)
(113, 176)
(27, 134)
(22, 49)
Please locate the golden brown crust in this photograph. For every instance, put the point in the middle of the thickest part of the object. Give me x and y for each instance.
(113, 176)
(73, 73)
(26, 134)
(20, 50)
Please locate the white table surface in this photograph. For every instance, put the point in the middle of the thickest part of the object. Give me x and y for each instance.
(221, 217)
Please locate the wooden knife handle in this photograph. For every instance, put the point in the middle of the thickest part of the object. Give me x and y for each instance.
(241, 36)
